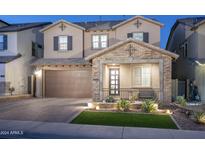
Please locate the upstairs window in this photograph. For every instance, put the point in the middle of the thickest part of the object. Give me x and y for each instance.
(140, 36)
(3, 42)
(33, 49)
(63, 43)
(184, 50)
(99, 41)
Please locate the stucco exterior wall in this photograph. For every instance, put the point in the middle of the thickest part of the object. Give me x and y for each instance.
(200, 81)
(2, 72)
(18, 70)
(12, 44)
(177, 38)
(184, 34)
(130, 27)
(119, 55)
(200, 41)
(77, 46)
(120, 34)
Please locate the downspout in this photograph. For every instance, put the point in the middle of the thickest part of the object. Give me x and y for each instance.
(83, 54)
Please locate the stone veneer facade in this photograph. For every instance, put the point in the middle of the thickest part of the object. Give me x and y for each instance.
(142, 54)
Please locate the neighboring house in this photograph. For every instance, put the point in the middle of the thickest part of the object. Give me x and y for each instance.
(19, 44)
(99, 59)
(187, 39)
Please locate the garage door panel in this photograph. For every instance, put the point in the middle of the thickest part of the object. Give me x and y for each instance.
(73, 84)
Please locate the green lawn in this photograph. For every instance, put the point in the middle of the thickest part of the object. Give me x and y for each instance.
(125, 119)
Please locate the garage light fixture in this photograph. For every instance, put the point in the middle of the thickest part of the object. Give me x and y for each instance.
(90, 105)
(38, 73)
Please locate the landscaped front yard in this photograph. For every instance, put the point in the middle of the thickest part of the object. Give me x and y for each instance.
(125, 119)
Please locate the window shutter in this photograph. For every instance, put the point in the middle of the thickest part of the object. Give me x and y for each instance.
(55, 43)
(146, 37)
(70, 42)
(5, 45)
(129, 35)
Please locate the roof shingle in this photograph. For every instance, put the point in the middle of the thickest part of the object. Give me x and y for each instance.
(59, 61)
(22, 26)
(98, 25)
(7, 59)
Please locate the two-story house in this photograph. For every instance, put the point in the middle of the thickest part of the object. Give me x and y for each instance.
(104, 58)
(19, 44)
(187, 38)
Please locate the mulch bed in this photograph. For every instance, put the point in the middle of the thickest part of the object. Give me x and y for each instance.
(185, 122)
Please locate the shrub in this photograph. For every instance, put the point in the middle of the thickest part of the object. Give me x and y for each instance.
(199, 117)
(11, 90)
(181, 100)
(149, 106)
(123, 105)
(133, 99)
(109, 99)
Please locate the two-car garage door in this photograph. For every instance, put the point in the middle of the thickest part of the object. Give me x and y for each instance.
(70, 84)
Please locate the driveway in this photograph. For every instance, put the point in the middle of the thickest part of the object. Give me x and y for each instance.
(43, 110)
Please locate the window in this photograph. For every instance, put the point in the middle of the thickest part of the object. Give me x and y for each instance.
(142, 76)
(1, 42)
(63, 43)
(33, 49)
(99, 41)
(138, 36)
(184, 49)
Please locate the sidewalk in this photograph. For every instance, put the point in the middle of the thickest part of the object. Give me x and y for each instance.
(31, 129)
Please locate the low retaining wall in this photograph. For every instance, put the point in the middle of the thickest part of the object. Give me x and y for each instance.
(14, 97)
(133, 106)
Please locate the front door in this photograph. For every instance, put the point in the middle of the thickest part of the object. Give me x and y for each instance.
(114, 85)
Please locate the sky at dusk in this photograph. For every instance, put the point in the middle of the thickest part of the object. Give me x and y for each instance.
(168, 21)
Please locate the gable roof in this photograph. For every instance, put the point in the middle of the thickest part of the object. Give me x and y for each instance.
(198, 24)
(138, 17)
(191, 22)
(4, 22)
(102, 25)
(22, 26)
(62, 21)
(131, 40)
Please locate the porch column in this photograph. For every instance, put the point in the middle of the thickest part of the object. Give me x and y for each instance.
(161, 76)
(101, 80)
(96, 80)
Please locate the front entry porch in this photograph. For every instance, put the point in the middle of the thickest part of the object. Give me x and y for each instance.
(141, 68)
(125, 80)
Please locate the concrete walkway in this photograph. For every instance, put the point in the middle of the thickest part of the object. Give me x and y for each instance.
(31, 129)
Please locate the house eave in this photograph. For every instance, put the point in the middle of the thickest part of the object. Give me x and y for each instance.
(60, 21)
(140, 17)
